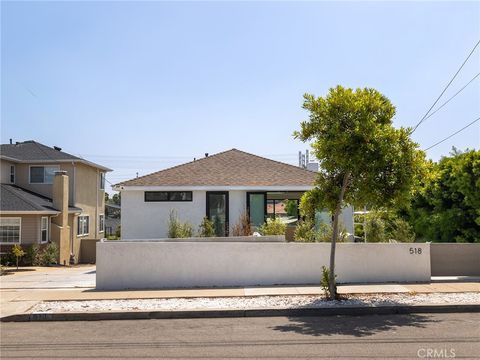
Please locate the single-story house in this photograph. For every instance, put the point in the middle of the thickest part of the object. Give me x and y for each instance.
(222, 187)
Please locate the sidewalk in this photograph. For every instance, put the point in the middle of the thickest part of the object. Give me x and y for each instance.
(21, 291)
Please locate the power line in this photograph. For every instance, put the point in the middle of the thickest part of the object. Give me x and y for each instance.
(451, 98)
(455, 133)
(445, 89)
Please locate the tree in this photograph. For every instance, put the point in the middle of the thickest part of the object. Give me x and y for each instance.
(106, 197)
(18, 252)
(363, 159)
(291, 207)
(117, 198)
(446, 207)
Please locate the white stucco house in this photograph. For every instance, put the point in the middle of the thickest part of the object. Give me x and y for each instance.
(222, 187)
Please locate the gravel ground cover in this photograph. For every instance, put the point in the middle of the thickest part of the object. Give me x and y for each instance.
(254, 302)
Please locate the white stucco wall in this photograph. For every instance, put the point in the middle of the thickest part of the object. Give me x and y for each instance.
(149, 220)
(138, 264)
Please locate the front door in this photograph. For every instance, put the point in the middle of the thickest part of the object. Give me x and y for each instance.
(217, 211)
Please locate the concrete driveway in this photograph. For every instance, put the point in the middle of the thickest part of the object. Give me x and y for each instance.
(20, 290)
(81, 276)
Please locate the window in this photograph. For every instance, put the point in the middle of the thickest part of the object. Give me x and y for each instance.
(151, 196)
(286, 209)
(102, 181)
(12, 174)
(10, 230)
(101, 223)
(42, 174)
(44, 229)
(82, 226)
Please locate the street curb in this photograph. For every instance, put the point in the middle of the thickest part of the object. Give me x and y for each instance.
(195, 314)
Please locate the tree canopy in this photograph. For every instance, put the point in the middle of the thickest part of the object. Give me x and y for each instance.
(446, 206)
(352, 132)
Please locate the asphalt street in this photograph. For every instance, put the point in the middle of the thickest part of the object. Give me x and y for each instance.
(414, 336)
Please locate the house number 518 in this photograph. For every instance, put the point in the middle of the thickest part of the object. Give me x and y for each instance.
(415, 251)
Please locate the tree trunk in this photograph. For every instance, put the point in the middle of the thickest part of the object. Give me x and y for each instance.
(17, 262)
(332, 286)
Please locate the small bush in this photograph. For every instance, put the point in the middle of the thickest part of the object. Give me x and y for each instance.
(118, 232)
(325, 233)
(32, 255)
(305, 231)
(177, 229)
(7, 259)
(206, 228)
(242, 227)
(273, 227)
(49, 255)
(325, 280)
(375, 228)
(401, 230)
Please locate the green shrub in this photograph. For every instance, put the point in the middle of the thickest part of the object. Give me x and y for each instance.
(177, 229)
(400, 230)
(49, 255)
(359, 230)
(325, 233)
(325, 280)
(305, 231)
(206, 228)
(186, 230)
(32, 255)
(382, 226)
(375, 228)
(118, 232)
(7, 259)
(273, 227)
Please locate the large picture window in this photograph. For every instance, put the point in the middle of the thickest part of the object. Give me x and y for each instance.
(152, 196)
(83, 224)
(10, 230)
(42, 174)
(44, 229)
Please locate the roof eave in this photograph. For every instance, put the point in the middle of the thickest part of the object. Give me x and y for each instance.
(28, 212)
(83, 161)
(212, 187)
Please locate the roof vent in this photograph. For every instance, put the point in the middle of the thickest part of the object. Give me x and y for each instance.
(11, 142)
(206, 154)
(57, 148)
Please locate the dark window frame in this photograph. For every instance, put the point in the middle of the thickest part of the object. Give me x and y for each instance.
(169, 196)
(12, 174)
(102, 181)
(227, 208)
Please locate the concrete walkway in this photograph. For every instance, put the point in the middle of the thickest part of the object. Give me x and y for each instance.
(22, 290)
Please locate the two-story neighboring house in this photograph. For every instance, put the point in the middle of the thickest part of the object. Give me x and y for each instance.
(49, 195)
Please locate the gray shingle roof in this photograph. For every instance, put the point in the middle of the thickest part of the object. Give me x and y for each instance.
(228, 168)
(32, 150)
(35, 152)
(14, 198)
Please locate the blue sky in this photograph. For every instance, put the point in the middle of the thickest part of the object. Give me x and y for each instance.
(143, 86)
